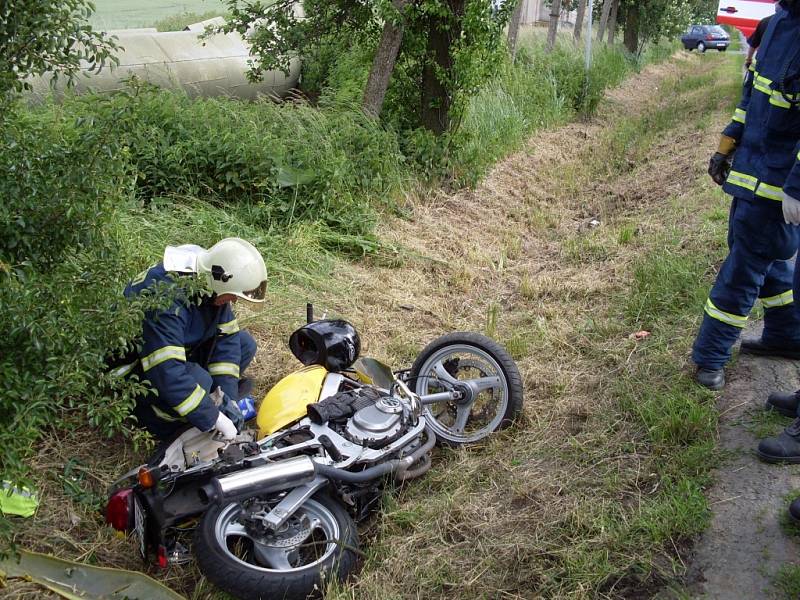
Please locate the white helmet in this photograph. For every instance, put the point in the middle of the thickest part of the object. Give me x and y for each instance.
(234, 266)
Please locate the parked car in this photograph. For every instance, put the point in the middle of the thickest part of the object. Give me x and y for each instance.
(703, 37)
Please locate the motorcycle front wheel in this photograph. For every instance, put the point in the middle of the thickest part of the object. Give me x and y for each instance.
(486, 375)
(316, 544)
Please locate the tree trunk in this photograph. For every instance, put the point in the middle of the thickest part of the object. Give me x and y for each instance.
(555, 13)
(632, 29)
(601, 30)
(513, 29)
(612, 22)
(383, 63)
(443, 31)
(579, 19)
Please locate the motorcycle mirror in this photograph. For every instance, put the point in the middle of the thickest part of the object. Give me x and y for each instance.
(374, 372)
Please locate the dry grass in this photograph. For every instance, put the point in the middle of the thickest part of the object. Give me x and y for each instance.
(535, 512)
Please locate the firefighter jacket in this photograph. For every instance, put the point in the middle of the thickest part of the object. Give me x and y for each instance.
(766, 123)
(174, 338)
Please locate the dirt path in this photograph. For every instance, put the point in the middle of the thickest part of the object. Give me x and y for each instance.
(745, 546)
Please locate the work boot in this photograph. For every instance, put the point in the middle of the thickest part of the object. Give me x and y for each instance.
(783, 448)
(783, 403)
(759, 348)
(713, 379)
(794, 510)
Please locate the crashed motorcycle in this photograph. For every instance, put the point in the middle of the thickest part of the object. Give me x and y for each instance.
(272, 514)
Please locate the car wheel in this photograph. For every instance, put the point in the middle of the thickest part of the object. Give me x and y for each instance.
(701, 47)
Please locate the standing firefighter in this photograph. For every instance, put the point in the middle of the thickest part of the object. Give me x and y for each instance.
(763, 181)
(192, 352)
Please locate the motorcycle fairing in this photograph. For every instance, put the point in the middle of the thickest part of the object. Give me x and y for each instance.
(287, 400)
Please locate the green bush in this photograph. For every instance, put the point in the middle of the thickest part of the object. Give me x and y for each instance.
(57, 184)
(291, 161)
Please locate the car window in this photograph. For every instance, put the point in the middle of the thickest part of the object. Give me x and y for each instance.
(717, 29)
(697, 30)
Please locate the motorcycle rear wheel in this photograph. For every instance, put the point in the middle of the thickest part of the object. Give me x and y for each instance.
(481, 367)
(318, 543)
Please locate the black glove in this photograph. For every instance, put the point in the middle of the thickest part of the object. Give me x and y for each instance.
(719, 166)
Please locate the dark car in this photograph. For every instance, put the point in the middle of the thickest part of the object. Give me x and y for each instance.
(703, 37)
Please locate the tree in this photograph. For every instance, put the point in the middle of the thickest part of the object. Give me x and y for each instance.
(513, 29)
(604, 19)
(612, 22)
(42, 36)
(555, 14)
(649, 20)
(384, 61)
(443, 49)
(579, 19)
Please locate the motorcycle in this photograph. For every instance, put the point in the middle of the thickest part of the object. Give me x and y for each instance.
(272, 514)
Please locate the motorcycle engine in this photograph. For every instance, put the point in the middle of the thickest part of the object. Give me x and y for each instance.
(378, 424)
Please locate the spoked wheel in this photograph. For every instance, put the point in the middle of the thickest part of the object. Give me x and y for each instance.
(485, 375)
(245, 558)
(701, 47)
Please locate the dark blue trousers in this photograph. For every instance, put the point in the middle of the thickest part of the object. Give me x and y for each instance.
(163, 428)
(760, 245)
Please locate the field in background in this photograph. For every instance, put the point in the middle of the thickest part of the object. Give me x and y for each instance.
(122, 14)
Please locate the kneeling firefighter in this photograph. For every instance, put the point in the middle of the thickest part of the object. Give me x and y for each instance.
(192, 352)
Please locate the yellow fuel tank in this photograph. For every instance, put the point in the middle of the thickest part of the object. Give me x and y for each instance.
(287, 400)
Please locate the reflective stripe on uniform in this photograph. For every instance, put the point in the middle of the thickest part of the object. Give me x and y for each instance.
(776, 97)
(739, 115)
(124, 369)
(223, 368)
(164, 416)
(727, 318)
(163, 354)
(229, 327)
(192, 401)
(773, 192)
(742, 179)
(783, 299)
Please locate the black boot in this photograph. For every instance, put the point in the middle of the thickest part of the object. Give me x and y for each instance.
(784, 448)
(759, 348)
(794, 510)
(783, 403)
(713, 379)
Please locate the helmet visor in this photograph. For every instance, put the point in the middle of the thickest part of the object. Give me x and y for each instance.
(257, 294)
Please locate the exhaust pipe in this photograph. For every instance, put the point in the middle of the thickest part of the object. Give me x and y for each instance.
(272, 477)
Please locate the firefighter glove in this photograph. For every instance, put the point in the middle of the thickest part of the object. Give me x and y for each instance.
(718, 167)
(225, 427)
(791, 210)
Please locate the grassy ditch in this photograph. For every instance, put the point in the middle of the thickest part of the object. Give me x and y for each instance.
(598, 492)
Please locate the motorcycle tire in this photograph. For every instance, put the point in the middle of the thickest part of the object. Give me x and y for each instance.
(233, 568)
(471, 351)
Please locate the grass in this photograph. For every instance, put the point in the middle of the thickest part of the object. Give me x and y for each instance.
(122, 14)
(179, 22)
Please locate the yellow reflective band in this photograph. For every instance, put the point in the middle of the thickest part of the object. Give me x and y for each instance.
(783, 299)
(164, 416)
(223, 368)
(739, 115)
(777, 99)
(124, 369)
(191, 402)
(727, 318)
(772, 192)
(163, 354)
(741, 179)
(229, 327)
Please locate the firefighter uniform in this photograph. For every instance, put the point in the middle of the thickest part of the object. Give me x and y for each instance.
(187, 350)
(766, 127)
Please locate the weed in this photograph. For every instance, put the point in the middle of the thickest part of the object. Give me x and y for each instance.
(787, 580)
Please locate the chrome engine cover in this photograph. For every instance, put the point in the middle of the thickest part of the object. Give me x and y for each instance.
(378, 424)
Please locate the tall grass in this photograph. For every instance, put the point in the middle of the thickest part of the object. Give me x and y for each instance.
(539, 90)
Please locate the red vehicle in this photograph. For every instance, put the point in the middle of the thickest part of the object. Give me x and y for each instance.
(744, 14)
